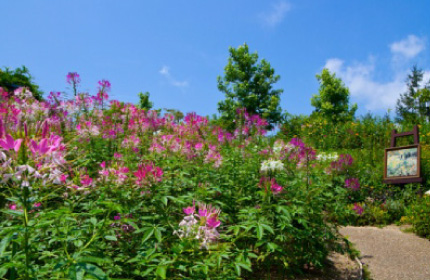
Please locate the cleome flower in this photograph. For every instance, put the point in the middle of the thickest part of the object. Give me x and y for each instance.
(200, 225)
(8, 143)
(358, 209)
(271, 166)
(352, 184)
(327, 156)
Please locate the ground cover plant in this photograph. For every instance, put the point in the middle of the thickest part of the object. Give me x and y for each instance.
(94, 188)
(365, 139)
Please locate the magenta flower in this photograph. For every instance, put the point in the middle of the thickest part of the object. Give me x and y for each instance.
(358, 209)
(86, 181)
(274, 187)
(12, 207)
(117, 217)
(41, 148)
(105, 85)
(148, 171)
(189, 210)
(73, 78)
(343, 162)
(213, 221)
(198, 146)
(37, 205)
(9, 143)
(352, 184)
(203, 212)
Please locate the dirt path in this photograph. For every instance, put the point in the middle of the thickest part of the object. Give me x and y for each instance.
(390, 253)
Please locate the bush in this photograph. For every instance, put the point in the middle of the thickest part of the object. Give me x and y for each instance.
(419, 216)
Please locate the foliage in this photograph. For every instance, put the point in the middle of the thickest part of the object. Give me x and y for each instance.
(91, 191)
(20, 77)
(332, 101)
(248, 84)
(123, 193)
(411, 106)
(144, 102)
(419, 216)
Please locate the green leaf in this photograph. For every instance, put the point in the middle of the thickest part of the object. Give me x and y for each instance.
(244, 266)
(92, 259)
(157, 234)
(161, 271)
(111, 238)
(13, 213)
(146, 272)
(260, 231)
(237, 268)
(268, 228)
(149, 232)
(93, 270)
(4, 243)
(164, 200)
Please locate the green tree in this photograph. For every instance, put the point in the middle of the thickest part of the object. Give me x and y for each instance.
(248, 84)
(20, 77)
(332, 100)
(144, 102)
(411, 104)
(178, 115)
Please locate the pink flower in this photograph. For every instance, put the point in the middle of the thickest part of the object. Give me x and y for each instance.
(86, 181)
(213, 221)
(274, 187)
(189, 210)
(9, 143)
(358, 209)
(352, 184)
(63, 178)
(105, 85)
(37, 205)
(41, 148)
(73, 78)
(203, 212)
(12, 206)
(148, 171)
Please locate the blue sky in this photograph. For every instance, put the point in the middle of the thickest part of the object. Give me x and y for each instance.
(176, 49)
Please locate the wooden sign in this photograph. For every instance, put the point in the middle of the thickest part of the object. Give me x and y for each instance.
(402, 164)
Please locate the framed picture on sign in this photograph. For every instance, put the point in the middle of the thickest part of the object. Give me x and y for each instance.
(402, 164)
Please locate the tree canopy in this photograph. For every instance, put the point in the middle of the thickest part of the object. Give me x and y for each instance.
(20, 77)
(144, 102)
(248, 84)
(332, 100)
(411, 104)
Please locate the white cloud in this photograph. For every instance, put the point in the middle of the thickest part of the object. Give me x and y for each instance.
(361, 81)
(165, 71)
(362, 86)
(409, 47)
(276, 14)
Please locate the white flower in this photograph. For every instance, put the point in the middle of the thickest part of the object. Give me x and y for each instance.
(327, 156)
(271, 165)
(427, 193)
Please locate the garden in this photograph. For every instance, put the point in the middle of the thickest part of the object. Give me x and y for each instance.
(94, 188)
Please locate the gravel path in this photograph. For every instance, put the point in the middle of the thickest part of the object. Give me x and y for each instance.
(390, 253)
